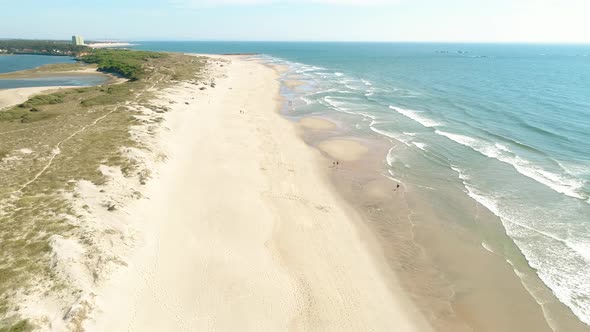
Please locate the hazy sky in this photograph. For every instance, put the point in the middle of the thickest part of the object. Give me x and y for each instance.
(338, 20)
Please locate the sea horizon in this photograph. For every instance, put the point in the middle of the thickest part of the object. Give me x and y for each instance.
(314, 165)
(469, 127)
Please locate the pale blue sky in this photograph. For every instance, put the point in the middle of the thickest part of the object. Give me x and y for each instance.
(313, 20)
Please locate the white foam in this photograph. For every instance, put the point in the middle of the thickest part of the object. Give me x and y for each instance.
(562, 184)
(338, 106)
(368, 117)
(390, 159)
(306, 69)
(341, 107)
(347, 85)
(574, 168)
(325, 91)
(461, 173)
(558, 261)
(487, 247)
(307, 101)
(414, 115)
(582, 248)
(464, 140)
(367, 83)
(392, 176)
(339, 74)
(392, 135)
(502, 147)
(421, 146)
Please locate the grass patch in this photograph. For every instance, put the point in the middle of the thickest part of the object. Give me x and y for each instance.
(35, 115)
(29, 219)
(21, 326)
(23, 115)
(62, 67)
(108, 95)
(55, 98)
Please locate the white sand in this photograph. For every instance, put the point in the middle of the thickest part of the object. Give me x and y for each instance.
(242, 232)
(11, 97)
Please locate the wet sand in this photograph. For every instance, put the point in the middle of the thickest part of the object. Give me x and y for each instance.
(317, 124)
(456, 283)
(342, 149)
(292, 84)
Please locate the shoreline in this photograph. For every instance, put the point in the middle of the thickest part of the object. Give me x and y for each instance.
(214, 258)
(446, 241)
(436, 260)
(388, 211)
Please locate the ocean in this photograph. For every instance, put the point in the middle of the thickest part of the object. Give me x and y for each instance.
(508, 124)
(10, 63)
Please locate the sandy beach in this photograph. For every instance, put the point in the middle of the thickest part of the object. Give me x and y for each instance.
(242, 231)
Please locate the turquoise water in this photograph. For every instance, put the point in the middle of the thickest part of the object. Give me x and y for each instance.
(78, 80)
(10, 63)
(511, 124)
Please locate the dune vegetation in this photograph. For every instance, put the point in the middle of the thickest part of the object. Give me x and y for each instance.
(50, 143)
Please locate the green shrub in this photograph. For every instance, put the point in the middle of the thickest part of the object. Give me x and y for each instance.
(22, 326)
(52, 47)
(23, 115)
(56, 98)
(34, 117)
(111, 95)
(126, 63)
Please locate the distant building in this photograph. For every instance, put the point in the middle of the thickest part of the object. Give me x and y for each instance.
(77, 40)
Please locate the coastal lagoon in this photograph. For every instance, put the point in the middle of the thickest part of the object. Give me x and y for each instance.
(11, 63)
(475, 130)
(79, 80)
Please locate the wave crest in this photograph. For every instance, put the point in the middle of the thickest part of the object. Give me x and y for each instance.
(414, 115)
